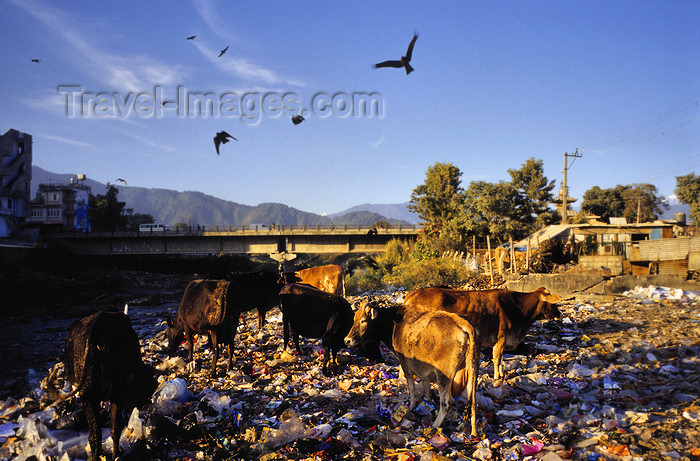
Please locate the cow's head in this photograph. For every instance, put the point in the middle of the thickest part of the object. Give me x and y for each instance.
(175, 334)
(547, 306)
(372, 324)
(363, 329)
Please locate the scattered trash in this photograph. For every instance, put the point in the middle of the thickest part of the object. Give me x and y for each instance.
(618, 380)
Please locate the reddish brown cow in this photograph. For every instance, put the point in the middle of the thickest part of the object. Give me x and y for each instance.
(329, 278)
(502, 317)
(436, 346)
(214, 307)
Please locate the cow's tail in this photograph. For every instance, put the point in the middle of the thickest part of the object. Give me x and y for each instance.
(467, 377)
(472, 362)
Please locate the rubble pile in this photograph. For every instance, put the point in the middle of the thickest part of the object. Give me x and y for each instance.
(617, 381)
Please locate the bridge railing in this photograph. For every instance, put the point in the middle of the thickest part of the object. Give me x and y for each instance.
(273, 229)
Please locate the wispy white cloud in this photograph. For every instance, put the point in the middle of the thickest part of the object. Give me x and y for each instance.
(378, 142)
(129, 73)
(242, 68)
(230, 63)
(73, 142)
(48, 100)
(210, 17)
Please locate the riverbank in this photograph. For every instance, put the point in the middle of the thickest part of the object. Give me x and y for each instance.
(617, 380)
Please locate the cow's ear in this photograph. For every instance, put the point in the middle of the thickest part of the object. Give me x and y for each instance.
(373, 313)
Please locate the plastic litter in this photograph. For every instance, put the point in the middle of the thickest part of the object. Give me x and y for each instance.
(616, 380)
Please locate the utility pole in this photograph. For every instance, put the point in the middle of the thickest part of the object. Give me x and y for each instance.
(575, 155)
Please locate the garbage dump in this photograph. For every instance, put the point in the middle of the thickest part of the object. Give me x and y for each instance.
(609, 381)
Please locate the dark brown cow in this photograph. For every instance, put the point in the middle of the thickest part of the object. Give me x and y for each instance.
(436, 346)
(329, 278)
(502, 317)
(214, 307)
(312, 313)
(102, 358)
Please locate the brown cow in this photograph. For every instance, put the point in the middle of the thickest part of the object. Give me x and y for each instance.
(102, 358)
(329, 278)
(434, 345)
(502, 317)
(214, 307)
(312, 313)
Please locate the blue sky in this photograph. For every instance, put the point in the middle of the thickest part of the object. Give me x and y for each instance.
(495, 83)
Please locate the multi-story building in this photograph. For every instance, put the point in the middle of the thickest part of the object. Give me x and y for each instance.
(15, 176)
(62, 206)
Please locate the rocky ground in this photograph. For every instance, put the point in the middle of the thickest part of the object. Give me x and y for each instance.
(618, 380)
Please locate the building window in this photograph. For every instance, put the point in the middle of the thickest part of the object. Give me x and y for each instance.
(54, 212)
(37, 213)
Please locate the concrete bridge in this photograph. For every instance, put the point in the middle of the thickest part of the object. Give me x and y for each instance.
(255, 239)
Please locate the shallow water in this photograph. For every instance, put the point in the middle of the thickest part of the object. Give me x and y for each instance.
(28, 350)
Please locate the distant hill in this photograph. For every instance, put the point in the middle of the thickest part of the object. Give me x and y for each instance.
(397, 211)
(171, 207)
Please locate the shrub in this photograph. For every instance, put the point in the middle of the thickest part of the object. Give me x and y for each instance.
(430, 272)
(362, 281)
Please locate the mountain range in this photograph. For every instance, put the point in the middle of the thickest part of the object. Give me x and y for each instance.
(171, 207)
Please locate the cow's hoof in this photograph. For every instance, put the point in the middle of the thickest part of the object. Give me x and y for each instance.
(498, 382)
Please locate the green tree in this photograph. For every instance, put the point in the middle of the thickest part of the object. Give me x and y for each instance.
(642, 203)
(106, 212)
(510, 209)
(534, 196)
(688, 192)
(438, 203)
(488, 208)
(624, 201)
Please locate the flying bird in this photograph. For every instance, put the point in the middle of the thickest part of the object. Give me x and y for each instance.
(223, 51)
(405, 60)
(222, 138)
(120, 179)
(297, 119)
(36, 60)
(191, 37)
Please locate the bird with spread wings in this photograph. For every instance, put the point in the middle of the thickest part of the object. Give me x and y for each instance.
(404, 62)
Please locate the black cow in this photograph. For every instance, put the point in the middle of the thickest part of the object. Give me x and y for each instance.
(214, 307)
(102, 358)
(312, 313)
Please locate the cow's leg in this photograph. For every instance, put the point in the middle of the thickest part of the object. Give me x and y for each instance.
(190, 340)
(295, 338)
(410, 383)
(261, 318)
(115, 428)
(229, 338)
(498, 367)
(215, 351)
(445, 393)
(92, 405)
(285, 329)
(230, 358)
(326, 358)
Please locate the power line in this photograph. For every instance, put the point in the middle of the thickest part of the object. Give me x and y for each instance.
(646, 127)
(664, 171)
